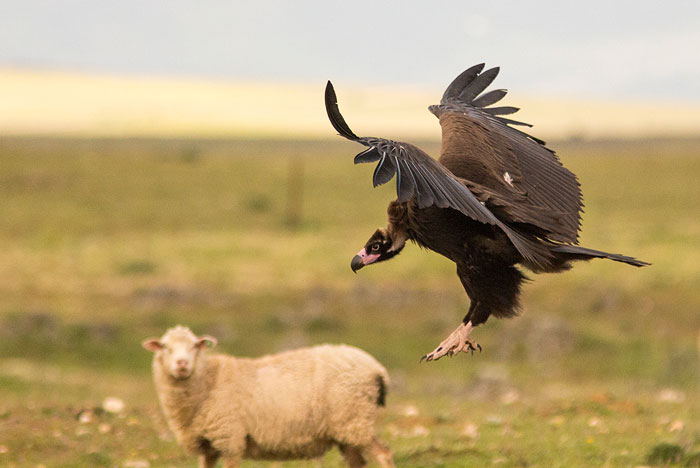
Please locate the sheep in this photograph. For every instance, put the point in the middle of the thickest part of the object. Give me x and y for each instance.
(290, 405)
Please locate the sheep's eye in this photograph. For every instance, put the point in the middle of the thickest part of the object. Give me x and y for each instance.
(375, 247)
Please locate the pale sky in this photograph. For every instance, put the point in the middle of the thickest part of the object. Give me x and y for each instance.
(597, 48)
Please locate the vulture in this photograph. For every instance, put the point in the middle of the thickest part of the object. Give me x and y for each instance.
(496, 199)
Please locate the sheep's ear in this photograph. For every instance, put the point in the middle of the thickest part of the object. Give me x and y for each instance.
(152, 344)
(206, 340)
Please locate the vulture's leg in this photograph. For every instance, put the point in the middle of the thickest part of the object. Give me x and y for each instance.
(493, 289)
(458, 341)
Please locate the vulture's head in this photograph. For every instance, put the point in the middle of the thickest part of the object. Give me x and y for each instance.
(383, 245)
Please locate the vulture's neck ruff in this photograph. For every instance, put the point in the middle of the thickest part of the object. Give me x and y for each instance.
(398, 239)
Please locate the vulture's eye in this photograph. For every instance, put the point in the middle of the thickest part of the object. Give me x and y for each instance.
(375, 247)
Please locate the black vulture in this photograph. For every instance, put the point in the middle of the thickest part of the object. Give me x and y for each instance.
(496, 198)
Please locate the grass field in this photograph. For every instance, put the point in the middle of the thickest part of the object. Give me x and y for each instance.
(107, 242)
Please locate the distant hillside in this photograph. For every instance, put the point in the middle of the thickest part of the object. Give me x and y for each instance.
(62, 103)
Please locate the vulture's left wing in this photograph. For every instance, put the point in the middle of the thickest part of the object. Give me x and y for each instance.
(482, 146)
(420, 176)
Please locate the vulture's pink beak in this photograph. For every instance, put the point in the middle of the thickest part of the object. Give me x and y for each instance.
(362, 259)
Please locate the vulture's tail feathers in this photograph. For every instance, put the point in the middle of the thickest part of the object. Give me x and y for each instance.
(584, 254)
(335, 116)
(532, 250)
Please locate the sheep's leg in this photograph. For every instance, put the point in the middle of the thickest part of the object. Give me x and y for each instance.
(353, 456)
(381, 453)
(232, 462)
(208, 459)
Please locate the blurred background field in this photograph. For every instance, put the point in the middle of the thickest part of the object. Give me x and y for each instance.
(108, 241)
(40, 101)
(168, 163)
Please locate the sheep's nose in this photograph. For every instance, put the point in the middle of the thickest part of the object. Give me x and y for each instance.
(181, 363)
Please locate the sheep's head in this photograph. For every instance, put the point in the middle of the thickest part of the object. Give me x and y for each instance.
(178, 350)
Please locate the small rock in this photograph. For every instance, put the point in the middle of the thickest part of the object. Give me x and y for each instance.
(85, 417)
(669, 395)
(676, 426)
(494, 420)
(599, 424)
(419, 431)
(104, 428)
(113, 405)
(471, 431)
(136, 464)
(4, 449)
(510, 397)
(557, 421)
(410, 411)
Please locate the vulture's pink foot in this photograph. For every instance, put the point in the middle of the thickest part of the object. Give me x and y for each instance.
(458, 341)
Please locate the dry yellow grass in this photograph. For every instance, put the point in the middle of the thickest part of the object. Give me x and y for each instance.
(62, 103)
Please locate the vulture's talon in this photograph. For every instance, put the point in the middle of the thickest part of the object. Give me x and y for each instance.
(458, 341)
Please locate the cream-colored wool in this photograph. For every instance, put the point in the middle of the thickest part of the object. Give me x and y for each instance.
(295, 404)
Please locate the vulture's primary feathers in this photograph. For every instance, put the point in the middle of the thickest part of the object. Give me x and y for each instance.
(496, 198)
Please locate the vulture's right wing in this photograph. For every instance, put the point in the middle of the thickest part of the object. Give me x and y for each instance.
(420, 176)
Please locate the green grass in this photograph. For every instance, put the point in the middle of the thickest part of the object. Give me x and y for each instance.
(107, 242)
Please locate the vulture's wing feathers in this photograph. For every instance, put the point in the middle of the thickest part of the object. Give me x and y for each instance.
(420, 176)
(480, 146)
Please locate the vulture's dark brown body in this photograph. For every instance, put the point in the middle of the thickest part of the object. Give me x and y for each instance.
(496, 198)
(484, 256)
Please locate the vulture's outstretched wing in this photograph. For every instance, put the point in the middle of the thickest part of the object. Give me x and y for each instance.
(481, 146)
(420, 176)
